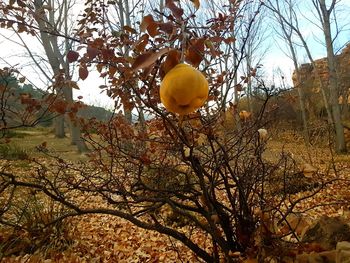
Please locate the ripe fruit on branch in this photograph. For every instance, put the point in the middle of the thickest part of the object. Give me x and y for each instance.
(244, 115)
(184, 89)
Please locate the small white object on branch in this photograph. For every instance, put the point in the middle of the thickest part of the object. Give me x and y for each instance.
(262, 134)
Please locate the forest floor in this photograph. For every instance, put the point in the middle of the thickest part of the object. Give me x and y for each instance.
(104, 238)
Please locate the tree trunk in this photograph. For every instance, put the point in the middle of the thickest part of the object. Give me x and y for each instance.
(74, 127)
(76, 137)
(238, 123)
(59, 126)
(52, 58)
(302, 106)
(333, 81)
(57, 63)
(300, 90)
(289, 21)
(142, 119)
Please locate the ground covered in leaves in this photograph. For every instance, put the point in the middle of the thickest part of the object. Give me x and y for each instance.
(104, 238)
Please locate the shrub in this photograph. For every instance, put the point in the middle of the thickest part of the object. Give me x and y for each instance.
(13, 134)
(12, 152)
(31, 224)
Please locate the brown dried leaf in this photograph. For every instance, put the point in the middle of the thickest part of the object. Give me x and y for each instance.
(147, 59)
(166, 27)
(141, 43)
(194, 54)
(229, 40)
(71, 84)
(171, 61)
(239, 87)
(177, 11)
(146, 21)
(152, 29)
(92, 52)
(83, 72)
(72, 56)
(217, 39)
(129, 29)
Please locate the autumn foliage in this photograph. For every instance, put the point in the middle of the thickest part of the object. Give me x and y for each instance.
(194, 180)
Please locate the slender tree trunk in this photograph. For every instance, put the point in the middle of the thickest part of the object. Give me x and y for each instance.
(236, 97)
(300, 93)
(333, 81)
(123, 9)
(161, 8)
(346, 109)
(52, 58)
(249, 84)
(302, 106)
(318, 75)
(142, 119)
(59, 123)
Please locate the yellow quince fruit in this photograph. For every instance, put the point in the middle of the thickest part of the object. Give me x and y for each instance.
(184, 89)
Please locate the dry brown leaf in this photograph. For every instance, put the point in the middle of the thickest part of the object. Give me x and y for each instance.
(147, 59)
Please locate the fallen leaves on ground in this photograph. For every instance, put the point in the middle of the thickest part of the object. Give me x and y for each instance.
(106, 238)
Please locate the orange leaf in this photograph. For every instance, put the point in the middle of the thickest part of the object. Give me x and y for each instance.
(146, 21)
(112, 70)
(196, 3)
(59, 106)
(219, 79)
(152, 29)
(142, 42)
(147, 59)
(229, 40)
(216, 39)
(239, 87)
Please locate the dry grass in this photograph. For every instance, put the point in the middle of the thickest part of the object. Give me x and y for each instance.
(35, 137)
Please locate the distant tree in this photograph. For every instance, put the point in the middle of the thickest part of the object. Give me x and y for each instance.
(287, 35)
(324, 14)
(253, 45)
(21, 104)
(48, 21)
(331, 108)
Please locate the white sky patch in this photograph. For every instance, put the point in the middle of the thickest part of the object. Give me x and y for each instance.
(14, 55)
(91, 93)
(273, 63)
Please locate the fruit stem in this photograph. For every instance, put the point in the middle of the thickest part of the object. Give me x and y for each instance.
(184, 38)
